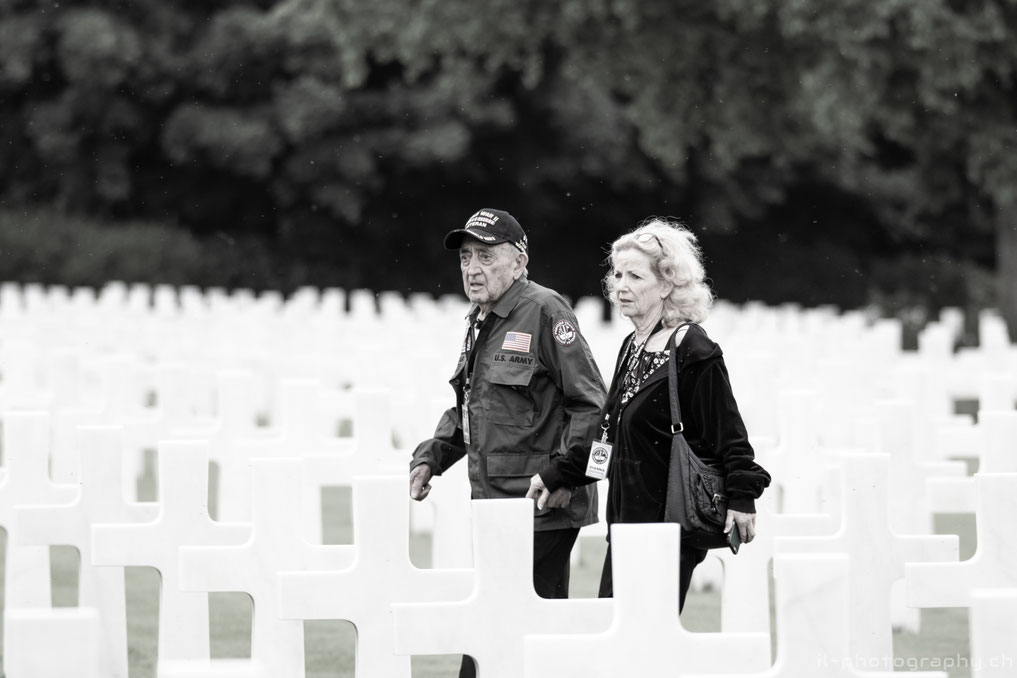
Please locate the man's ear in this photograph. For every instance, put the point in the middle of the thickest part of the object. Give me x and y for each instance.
(520, 264)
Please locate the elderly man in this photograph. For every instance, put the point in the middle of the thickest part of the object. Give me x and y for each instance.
(527, 389)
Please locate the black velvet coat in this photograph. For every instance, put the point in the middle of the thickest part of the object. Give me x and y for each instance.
(641, 437)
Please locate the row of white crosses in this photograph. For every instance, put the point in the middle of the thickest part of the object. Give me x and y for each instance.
(831, 512)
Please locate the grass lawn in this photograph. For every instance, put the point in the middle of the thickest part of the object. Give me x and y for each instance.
(329, 645)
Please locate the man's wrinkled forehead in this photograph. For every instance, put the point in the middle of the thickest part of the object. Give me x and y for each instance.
(473, 245)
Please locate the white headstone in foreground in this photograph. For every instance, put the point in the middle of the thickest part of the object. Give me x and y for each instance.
(52, 643)
(867, 537)
(646, 637)
(490, 625)
(215, 668)
(994, 564)
(995, 441)
(381, 574)
(993, 621)
(99, 500)
(745, 593)
(276, 545)
(813, 624)
(183, 519)
(24, 480)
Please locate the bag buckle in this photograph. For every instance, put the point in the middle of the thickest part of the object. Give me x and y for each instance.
(681, 427)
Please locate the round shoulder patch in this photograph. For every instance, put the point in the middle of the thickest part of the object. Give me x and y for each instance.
(565, 333)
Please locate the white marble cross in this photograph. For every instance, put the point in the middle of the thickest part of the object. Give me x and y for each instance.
(175, 411)
(745, 593)
(503, 607)
(380, 575)
(996, 438)
(299, 434)
(118, 404)
(24, 480)
(20, 389)
(993, 630)
(276, 544)
(812, 603)
(646, 637)
(909, 502)
(445, 514)
(236, 409)
(866, 536)
(183, 520)
(994, 563)
(997, 392)
(214, 668)
(797, 462)
(999, 438)
(99, 499)
(56, 642)
(371, 452)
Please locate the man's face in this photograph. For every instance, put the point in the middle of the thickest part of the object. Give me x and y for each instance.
(489, 270)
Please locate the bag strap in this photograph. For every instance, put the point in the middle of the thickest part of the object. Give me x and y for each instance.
(672, 378)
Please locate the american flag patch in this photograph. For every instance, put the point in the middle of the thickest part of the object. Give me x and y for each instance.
(517, 341)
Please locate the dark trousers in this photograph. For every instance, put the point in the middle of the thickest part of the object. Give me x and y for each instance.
(689, 558)
(551, 551)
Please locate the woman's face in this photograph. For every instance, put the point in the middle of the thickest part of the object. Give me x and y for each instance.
(640, 294)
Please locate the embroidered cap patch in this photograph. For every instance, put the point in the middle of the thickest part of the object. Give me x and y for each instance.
(565, 333)
(517, 341)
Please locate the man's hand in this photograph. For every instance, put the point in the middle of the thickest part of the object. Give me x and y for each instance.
(560, 498)
(538, 491)
(420, 481)
(745, 522)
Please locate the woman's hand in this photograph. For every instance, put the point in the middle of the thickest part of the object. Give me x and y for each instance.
(560, 498)
(746, 523)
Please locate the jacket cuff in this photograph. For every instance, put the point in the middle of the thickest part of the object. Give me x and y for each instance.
(430, 463)
(740, 504)
(552, 477)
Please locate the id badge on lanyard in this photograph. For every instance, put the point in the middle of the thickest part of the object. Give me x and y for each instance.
(600, 459)
(600, 454)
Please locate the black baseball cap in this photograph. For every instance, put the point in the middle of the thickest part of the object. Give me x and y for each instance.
(490, 227)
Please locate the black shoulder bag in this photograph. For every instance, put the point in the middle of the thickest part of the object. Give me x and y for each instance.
(696, 497)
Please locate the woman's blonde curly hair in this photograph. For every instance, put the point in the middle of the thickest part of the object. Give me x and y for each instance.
(675, 257)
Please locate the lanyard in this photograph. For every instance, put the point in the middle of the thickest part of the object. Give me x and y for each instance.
(469, 348)
(628, 362)
(473, 329)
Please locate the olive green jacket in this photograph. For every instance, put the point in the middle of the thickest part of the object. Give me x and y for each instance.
(535, 392)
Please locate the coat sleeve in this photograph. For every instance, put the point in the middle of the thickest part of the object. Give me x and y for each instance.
(568, 358)
(569, 468)
(445, 448)
(721, 438)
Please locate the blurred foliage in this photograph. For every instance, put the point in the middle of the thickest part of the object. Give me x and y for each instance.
(80, 251)
(831, 136)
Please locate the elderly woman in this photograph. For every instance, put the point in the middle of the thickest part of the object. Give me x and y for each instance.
(656, 280)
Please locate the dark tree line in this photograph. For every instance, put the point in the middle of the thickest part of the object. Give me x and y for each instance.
(842, 151)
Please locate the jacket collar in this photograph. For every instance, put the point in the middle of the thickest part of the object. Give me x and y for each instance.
(506, 302)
